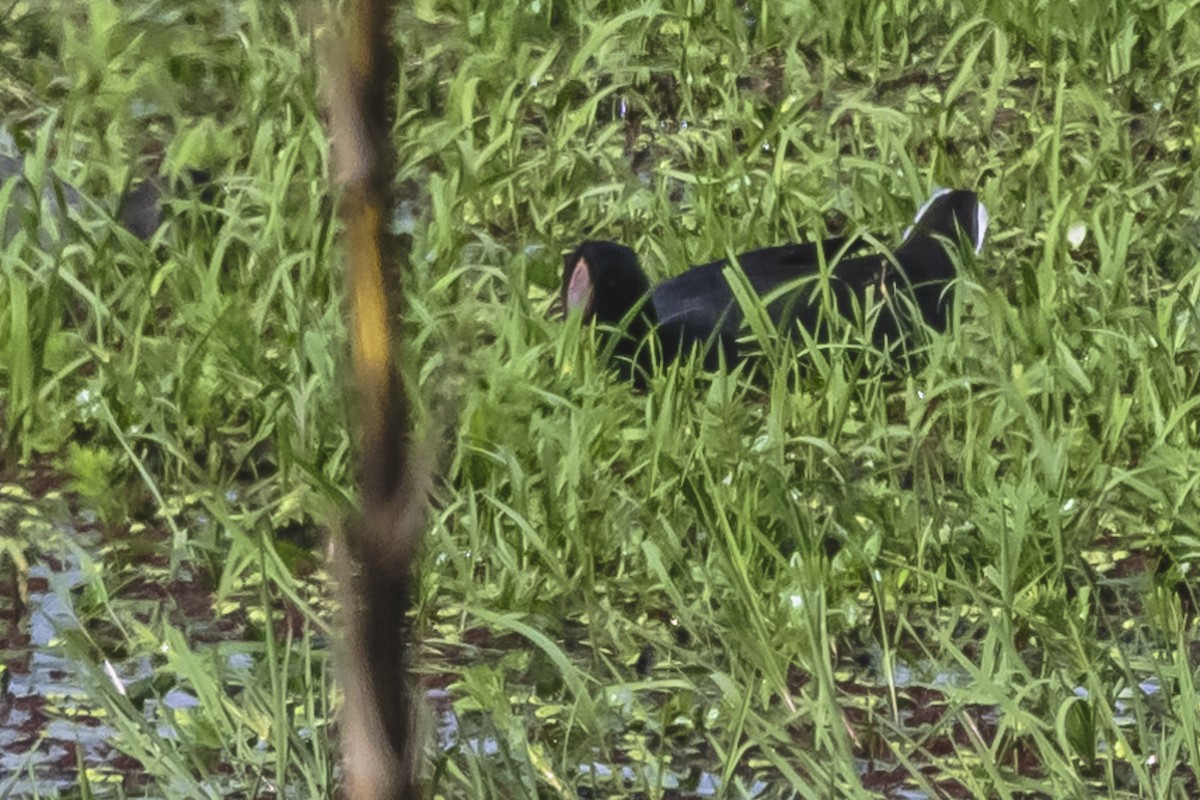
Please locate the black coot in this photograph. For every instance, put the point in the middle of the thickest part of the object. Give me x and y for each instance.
(697, 308)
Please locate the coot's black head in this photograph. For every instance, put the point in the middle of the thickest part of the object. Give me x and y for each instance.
(951, 213)
(605, 282)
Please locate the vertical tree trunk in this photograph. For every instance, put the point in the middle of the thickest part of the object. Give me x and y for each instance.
(375, 562)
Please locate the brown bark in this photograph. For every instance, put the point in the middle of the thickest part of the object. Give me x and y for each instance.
(374, 567)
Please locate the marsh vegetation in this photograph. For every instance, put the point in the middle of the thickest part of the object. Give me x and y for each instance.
(975, 579)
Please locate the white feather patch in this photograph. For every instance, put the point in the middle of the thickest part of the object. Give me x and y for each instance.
(981, 226)
(981, 219)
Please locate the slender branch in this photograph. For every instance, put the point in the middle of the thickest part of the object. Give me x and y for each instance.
(375, 567)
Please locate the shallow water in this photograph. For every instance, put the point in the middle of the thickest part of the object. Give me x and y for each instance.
(51, 725)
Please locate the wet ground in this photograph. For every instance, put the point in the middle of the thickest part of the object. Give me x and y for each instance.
(48, 727)
(56, 735)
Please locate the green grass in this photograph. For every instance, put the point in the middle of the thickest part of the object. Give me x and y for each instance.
(975, 580)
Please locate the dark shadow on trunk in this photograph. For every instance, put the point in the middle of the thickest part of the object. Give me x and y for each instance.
(376, 576)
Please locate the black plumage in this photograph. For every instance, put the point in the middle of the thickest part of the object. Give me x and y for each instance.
(697, 309)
